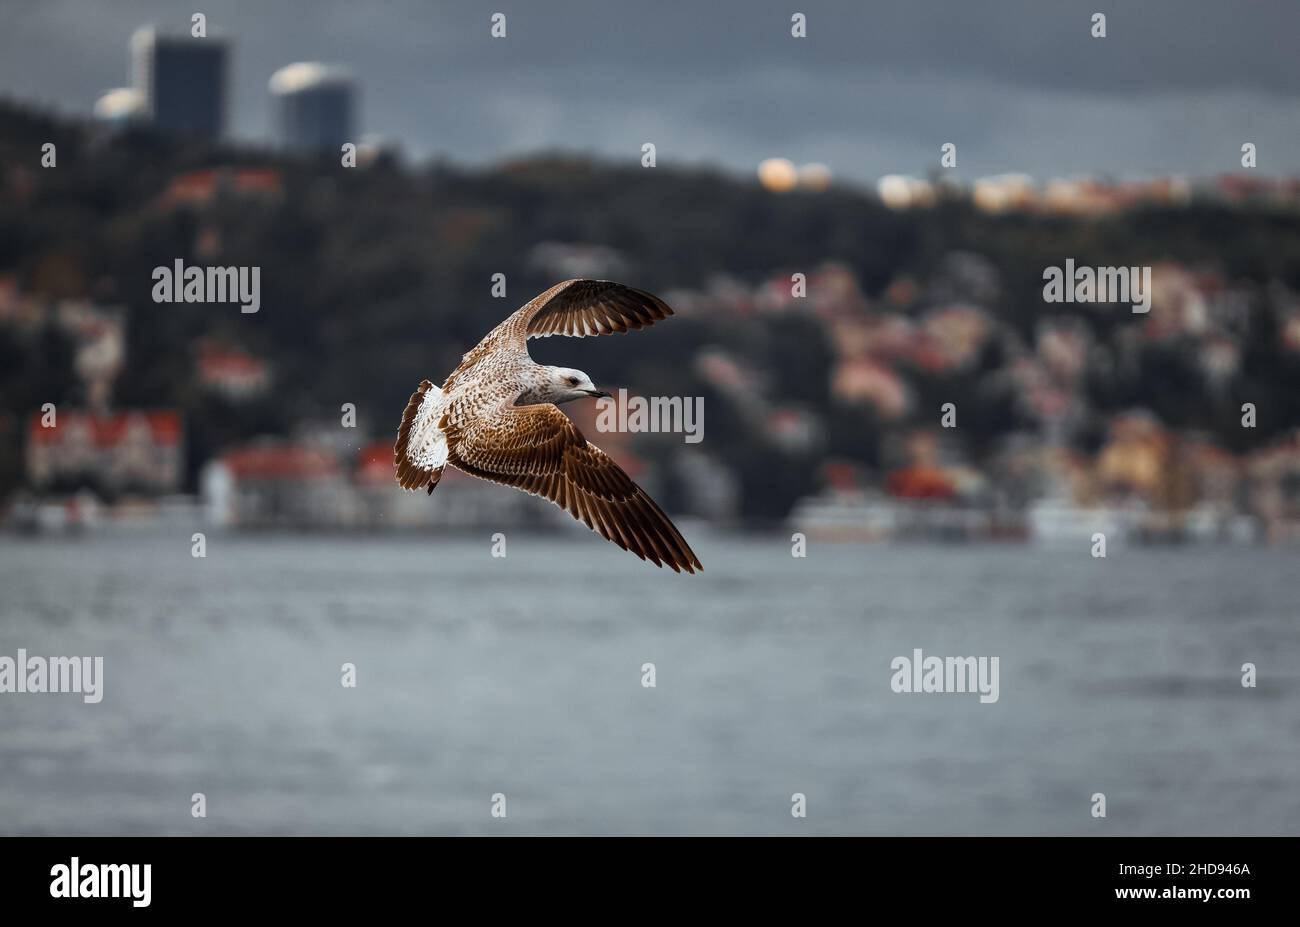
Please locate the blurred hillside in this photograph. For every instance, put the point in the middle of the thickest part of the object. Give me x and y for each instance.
(375, 277)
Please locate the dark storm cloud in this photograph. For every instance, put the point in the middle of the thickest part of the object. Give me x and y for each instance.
(876, 87)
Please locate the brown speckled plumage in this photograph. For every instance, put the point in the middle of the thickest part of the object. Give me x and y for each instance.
(492, 418)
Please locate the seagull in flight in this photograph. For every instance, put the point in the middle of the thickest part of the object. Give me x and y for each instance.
(497, 418)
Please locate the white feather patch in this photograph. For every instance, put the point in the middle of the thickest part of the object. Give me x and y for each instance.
(427, 447)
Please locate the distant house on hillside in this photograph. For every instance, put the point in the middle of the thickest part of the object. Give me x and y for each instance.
(231, 371)
(200, 188)
(830, 292)
(99, 334)
(276, 484)
(867, 382)
(124, 452)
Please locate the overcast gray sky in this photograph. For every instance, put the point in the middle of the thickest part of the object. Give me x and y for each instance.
(877, 87)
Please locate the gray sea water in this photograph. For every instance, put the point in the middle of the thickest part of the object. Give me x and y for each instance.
(523, 676)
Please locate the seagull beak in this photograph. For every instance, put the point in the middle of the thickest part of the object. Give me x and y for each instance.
(598, 394)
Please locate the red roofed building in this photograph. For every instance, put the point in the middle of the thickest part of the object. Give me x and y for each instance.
(131, 451)
(199, 188)
(275, 462)
(920, 482)
(865, 381)
(275, 483)
(231, 371)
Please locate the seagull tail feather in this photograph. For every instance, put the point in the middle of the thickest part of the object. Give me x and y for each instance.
(420, 454)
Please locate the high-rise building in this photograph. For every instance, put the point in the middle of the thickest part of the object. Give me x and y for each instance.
(313, 104)
(181, 80)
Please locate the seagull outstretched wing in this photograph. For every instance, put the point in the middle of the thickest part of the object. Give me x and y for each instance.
(578, 308)
(538, 449)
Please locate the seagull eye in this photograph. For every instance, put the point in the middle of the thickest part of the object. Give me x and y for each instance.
(573, 381)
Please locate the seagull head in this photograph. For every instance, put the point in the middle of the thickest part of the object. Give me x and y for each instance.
(568, 384)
